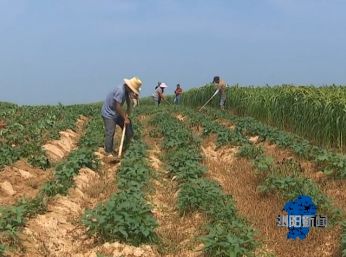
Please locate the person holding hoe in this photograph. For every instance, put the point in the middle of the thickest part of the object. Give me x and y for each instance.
(221, 86)
(158, 94)
(113, 113)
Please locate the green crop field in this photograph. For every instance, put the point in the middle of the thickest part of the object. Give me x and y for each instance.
(190, 183)
(319, 114)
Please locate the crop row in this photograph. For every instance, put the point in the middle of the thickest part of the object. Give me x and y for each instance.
(27, 128)
(312, 112)
(284, 177)
(330, 163)
(126, 216)
(224, 135)
(227, 234)
(14, 217)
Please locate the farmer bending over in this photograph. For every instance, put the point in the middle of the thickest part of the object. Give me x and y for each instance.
(113, 113)
(158, 94)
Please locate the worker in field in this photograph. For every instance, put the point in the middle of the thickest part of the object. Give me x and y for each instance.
(113, 113)
(178, 92)
(158, 95)
(221, 86)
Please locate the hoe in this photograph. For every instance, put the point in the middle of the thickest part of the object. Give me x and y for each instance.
(217, 91)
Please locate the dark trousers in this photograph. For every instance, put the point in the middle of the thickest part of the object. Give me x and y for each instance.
(110, 125)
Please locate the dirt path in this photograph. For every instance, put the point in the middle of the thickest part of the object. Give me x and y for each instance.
(178, 234)
(21, 180)
(238, 179)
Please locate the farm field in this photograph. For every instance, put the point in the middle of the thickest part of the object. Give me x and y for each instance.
(315, 113)
(190, 183)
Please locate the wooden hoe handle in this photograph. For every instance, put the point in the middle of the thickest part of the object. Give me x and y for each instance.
(122, 141)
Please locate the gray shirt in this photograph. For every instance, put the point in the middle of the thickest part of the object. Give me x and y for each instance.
(116, 95)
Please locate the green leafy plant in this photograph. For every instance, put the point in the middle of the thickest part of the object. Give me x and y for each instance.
(126, 217)
(207, 196)
(290, 187)
(263, 163)
(63, 180)
(250, 151)
(12, 217)
(2, 249)
(30, 127)
(231, 239)
(185, 163)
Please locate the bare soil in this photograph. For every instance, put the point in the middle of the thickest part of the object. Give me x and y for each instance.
(21, 180)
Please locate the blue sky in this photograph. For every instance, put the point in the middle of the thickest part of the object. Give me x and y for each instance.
(75, 51)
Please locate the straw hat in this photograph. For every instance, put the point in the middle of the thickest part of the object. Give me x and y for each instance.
(163, 85)
(134, 84)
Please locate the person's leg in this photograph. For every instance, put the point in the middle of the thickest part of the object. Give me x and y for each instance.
(223, 99)
(109, 134)
(178, 99)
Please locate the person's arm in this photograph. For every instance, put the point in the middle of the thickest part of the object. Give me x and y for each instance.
(161, 95)
(121, 112)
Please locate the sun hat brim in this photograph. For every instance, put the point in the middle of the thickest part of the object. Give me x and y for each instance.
(129, 84)
(163, 85)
